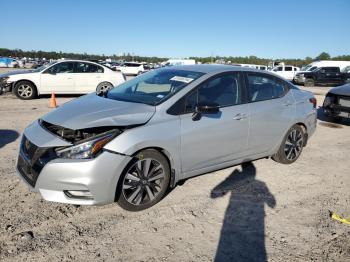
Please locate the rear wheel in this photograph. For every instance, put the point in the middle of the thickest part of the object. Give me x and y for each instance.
(25, 90)
(103, 87)
(292, 146)
(309, 82)
(144, 181)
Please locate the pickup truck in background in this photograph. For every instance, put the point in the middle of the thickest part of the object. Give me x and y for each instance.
(329, 75)
(286, 71)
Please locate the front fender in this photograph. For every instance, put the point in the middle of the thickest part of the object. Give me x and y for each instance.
(164, 135)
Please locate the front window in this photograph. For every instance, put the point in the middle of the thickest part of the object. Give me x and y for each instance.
(223, 90)
(61, 68)
(154, 87)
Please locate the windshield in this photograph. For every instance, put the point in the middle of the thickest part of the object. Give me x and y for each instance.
(154, 87)
(346, 70)
(41, 68)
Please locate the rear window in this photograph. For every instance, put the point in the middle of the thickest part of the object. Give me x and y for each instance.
(264, 87)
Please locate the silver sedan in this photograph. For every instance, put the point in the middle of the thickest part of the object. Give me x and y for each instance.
(132, 143)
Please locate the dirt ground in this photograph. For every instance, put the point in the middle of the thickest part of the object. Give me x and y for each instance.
(258, 212)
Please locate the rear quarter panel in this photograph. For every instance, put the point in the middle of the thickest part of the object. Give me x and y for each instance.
(305, 113)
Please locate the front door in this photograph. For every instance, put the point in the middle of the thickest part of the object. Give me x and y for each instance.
(215, 138)
(59, 79)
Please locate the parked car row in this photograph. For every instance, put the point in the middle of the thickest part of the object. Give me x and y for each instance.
(62, 77)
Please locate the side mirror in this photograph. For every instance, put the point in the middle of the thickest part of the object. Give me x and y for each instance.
(205, 108)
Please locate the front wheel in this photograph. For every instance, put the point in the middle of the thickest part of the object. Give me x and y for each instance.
(25, 90)
(291, 147)
(144, 181)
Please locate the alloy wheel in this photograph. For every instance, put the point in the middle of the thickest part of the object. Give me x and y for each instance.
(143, 181)
(25, 91)
(294, 144)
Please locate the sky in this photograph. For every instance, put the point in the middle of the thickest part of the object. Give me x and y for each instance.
(179, 28)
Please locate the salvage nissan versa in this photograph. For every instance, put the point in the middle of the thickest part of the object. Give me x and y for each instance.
(132, 143)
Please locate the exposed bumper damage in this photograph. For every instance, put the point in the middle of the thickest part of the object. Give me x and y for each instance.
(74, 181)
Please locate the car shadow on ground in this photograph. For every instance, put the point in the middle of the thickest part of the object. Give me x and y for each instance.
(242, 235)
(7, 136)
(331, 122)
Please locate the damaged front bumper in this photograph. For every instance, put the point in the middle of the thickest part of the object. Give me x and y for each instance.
(73, 181)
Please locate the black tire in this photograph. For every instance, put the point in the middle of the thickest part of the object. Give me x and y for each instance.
(309, 82)
(290, 150)
(104, 86)
(133, 186)
(25, 90)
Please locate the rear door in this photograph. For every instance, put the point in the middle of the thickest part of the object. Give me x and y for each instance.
(59, 79)
(87, 77)
(272, 109)
(218, 138)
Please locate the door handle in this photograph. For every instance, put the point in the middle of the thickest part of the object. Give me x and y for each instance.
(69, 78)
(240, 116)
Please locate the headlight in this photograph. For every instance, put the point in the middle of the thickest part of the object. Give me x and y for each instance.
(300, 75)
(86, 150)
(4, 79)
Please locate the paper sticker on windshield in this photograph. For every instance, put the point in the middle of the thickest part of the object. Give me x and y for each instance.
(182, 79)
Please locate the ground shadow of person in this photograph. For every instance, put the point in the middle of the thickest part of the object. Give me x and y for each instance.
(242, 235)
(7, 136)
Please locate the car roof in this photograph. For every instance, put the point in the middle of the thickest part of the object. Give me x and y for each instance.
(213, 68)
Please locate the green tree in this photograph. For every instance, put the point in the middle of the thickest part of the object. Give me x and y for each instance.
(323, 56)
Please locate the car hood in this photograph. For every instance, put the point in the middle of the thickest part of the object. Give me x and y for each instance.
(343, 90)
(95, 111)
(16, 72)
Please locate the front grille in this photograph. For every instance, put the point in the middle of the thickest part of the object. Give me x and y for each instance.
(32, 159)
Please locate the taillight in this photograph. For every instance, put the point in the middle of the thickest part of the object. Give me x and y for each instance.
(313, 101)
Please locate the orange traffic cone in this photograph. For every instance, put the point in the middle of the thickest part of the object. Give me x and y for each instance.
(53, 103)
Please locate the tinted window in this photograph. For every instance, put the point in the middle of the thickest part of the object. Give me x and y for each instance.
(279, 68)
(223, 90)
(66, 67)
(288, 68)
(88, 68)
(263, 87)
(330, 69)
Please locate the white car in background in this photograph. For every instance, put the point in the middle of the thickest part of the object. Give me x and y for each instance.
(131, 68)
(286, 71)
(62, 77)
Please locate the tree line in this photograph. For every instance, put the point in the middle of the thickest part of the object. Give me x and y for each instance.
(129, 57)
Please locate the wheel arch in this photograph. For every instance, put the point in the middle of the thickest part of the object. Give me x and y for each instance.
(167, 156)
(169, 159)
(304, 127)
(25, 80)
